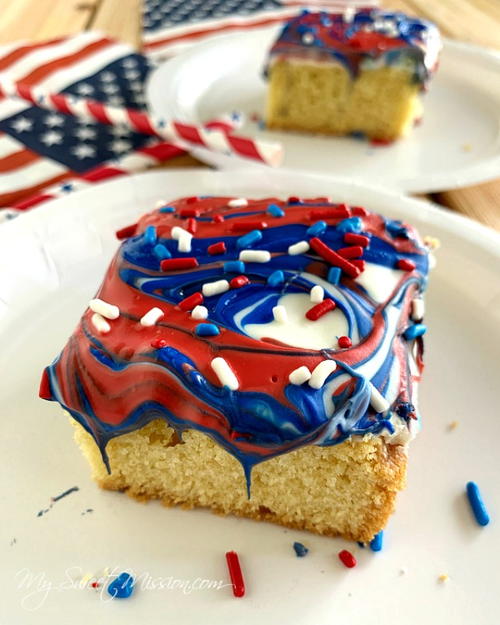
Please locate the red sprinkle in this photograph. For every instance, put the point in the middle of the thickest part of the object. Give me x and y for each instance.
(189, 212)
(359, 211)
(126, 232)
(171, 264)
(405, 264)
(293, 199)
(347, 559)
(217, 248)
(359, 264)
(192, 225)
(234, 568)
(246, 226)
(314, 313)
(218, 218)
(238, 282)
(44, 392)
(354, 251)
(191, 200)
(335, 212)
(356, 239)
(158, 343)
(344, 342)
(95, 584)
(192, 301)
(333, 258)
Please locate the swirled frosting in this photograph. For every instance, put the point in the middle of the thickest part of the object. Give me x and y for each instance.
(368, 37)
(266, 324)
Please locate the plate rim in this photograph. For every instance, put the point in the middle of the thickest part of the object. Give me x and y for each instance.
(475, 173)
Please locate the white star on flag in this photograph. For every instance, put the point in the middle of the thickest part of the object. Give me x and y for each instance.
(51, 138)
(115, 100)
(54, 120)
(111, 89)
(22, 124)
(119, 131)
(85, 89)
(83, 150)
(107, 77)
(84, 133)
(119, 146)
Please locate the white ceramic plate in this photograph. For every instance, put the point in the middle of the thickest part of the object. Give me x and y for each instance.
(51, 262)
(457, 144)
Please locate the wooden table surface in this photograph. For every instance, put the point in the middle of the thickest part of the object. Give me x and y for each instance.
(475, 21)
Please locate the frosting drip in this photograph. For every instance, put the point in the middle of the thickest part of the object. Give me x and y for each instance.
(217, 352)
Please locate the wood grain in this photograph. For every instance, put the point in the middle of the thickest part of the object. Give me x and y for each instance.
(475, 21)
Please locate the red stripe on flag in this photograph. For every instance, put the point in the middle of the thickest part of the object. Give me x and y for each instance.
(10, 199)
(103, 172)
(162, 151)
(17, 159)
(33, 201)
(40, 73)
(17, 54)
(217, 29)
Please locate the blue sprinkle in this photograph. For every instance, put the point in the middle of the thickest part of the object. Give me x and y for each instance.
(234, 266)
(161, 252)
(275, 210)
(334, 275)
(150, 235)
(276, 278)
(121, 587)
(352, 224)
(318, 228)
(377, 541)
(417, 329)
(405, 410)
(362, 545)
(167, 209)
(358, 134)
(207, 329)
(300, 550)
(477, 504)
(249, 239)
(261, 124)
(396, 228)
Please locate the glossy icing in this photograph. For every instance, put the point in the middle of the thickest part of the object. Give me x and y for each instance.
(368, 38)
(221, 363)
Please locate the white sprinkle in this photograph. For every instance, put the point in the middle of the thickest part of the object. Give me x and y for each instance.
(417, 309)
(214, 288)
(199, 312)
(160, 204)
(100, 324)
(377, 400)
(151, 317)
(317, 294)
(432, 260)
(298, 248)
(183, 237)
(280, 314)
(308, 38)
(349, 14)
(225, 374)
(239, 201)
(299, 375)
(103, 308)
(321, 372)
(255, 256)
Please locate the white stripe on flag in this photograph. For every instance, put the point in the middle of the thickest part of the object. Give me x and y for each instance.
(9, 146)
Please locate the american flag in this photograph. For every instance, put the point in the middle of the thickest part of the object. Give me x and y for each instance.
(171, 26)
(44, 154)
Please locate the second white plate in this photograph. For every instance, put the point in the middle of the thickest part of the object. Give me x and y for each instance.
(457, 144)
